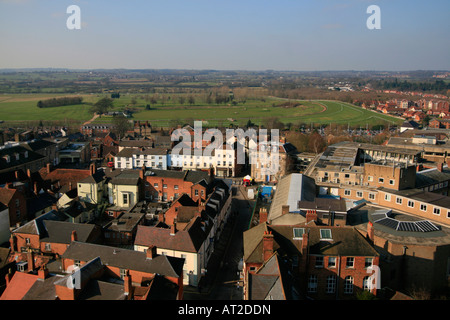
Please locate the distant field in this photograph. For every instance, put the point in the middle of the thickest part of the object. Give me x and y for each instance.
(22, 107)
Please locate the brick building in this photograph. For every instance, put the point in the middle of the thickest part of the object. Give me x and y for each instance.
(327, 262)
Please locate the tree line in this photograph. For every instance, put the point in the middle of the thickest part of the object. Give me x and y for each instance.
(59, 102)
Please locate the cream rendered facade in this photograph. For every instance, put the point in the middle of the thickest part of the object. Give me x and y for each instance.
(91, 192)
(122, 195)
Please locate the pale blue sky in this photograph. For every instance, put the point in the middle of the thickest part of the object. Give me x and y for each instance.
(302, 35)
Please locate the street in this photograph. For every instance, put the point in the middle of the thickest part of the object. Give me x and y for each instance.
(223, 273)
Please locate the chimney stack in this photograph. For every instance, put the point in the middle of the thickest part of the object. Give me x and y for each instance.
(440, 166)
(284, 209)
(311, 215)
(8, 276)
(49, 167)
(93, 169)
(263, 215)
(151, 252)
(370, 231)
(267, 245)
(30, 259)
(13, 243)
(142, 172)
(173, 228)
(305, 241)
(128, 287)
(43, 272)
(73, 236)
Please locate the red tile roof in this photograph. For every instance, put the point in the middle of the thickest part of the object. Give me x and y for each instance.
(19, 286)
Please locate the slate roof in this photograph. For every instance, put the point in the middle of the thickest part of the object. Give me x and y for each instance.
(126, 177)
(271, 281)
(36, 145)
(346, 241)
(12, 151)
(37, 227)
(6, 195)
(125, 259)
(188, 240)
(433, 176)
(189, 175)
(324, 204)
(61, 231)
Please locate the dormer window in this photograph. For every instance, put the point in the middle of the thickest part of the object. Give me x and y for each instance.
(298, 233)
(325, 234)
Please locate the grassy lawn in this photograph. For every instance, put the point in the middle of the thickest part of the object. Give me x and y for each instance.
(22, 107)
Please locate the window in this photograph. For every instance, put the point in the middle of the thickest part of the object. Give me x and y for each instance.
(370, 178)
(423, 207)
(367, 284)
(312, 283)
(347, 192)
(331, 284)
(123, 273)
(298, 233)
(319, 262)
(325, 234)
(437, 211)
(331, 262)
(371, 196)
(48, 247)
(359, 194)
(348, 285)
(411, 204)
(27, 240)
(350, 262)
(17, 202)
(175, 187)
(125, 198)
(346, 176)
(391, 182)
(196, 192)
(380, 180)
(399, 200)
(155, 185)
(164, 186)
(368, 262)
(387, 197)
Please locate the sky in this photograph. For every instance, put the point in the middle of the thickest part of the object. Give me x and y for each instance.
(254, 35)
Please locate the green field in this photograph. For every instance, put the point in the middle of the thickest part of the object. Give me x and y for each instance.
(22, 107)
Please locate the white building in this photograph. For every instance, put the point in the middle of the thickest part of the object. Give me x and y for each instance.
(133, 158)
(222, 160)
